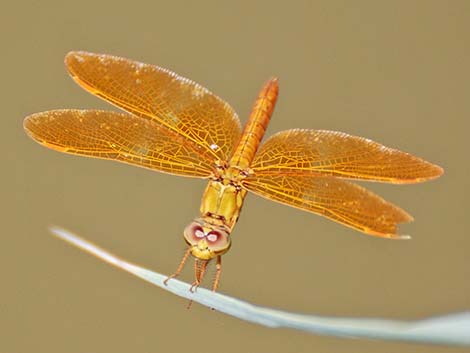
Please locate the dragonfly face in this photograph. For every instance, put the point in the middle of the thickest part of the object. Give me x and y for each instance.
(206, 241)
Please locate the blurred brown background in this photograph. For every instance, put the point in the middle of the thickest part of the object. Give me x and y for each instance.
(396, 72)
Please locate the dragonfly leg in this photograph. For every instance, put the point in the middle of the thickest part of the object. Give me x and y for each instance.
(200, 268)
(218, 271)
(180, 267)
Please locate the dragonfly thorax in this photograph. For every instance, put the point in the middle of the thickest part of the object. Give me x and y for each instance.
(228, 174)
(222, 202)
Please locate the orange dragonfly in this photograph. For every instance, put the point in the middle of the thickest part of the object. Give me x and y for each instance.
(173, 125)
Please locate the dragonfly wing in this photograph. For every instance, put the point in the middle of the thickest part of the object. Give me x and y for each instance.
(117, 136)
(320, 152)
(339, 200)
(151, 92)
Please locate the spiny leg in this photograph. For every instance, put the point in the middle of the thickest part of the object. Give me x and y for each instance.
(180, 267)
(218, 271)
(199, 271)
(200, 268)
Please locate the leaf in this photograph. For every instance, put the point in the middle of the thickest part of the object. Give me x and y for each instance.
(452, 329)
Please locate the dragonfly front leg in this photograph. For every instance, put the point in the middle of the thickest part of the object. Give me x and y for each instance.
(180, 267)
(218, 271)
(200, 268)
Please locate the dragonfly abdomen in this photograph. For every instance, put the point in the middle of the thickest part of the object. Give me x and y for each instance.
(256, 125)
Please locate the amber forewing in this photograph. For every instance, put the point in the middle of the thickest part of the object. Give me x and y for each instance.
(151, 92)
(319, 152)
(179, 127)
(117, 136)
(336, 199)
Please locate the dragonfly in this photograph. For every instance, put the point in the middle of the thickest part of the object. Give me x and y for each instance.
(173, 125)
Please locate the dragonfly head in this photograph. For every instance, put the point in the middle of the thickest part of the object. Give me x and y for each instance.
(206, 240)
